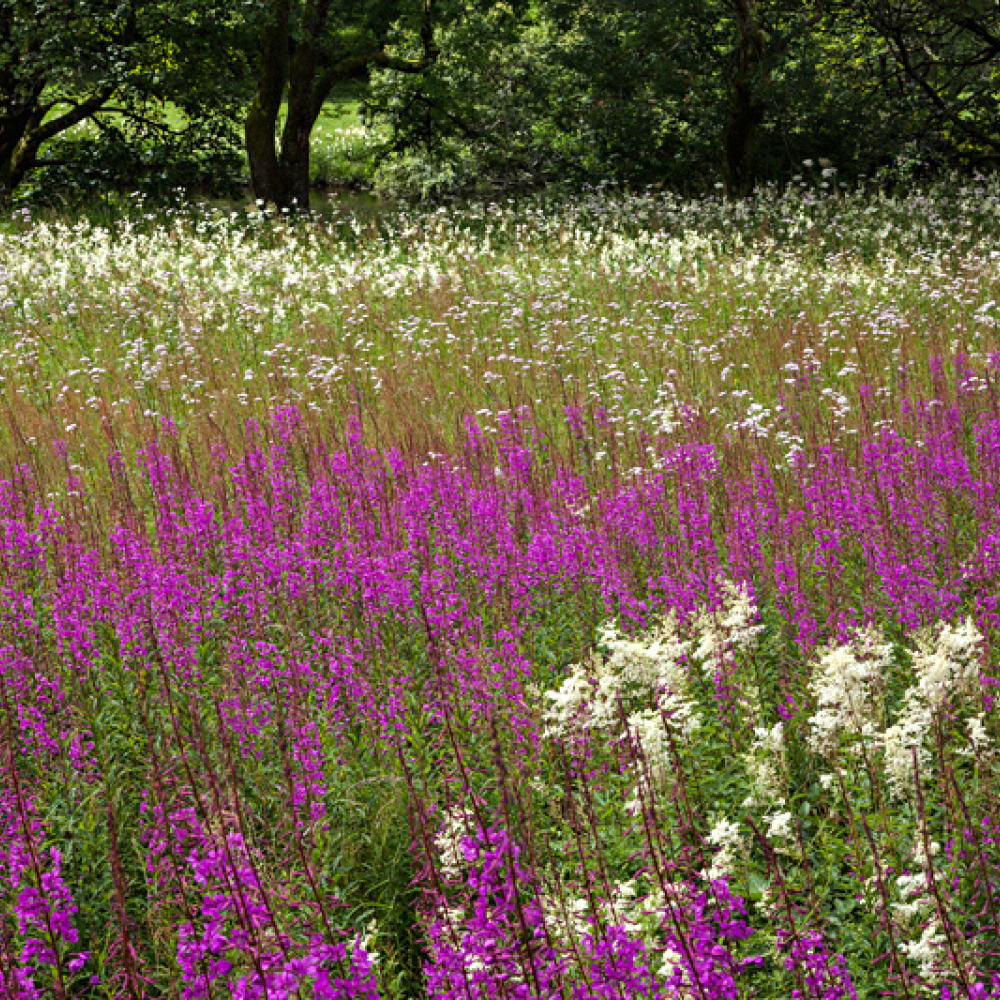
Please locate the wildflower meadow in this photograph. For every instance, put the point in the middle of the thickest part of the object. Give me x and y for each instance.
(581, 597)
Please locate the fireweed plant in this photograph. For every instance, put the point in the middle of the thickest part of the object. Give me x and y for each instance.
(593, 599)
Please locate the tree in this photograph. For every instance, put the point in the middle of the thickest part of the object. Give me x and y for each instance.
(305, 48)
(946, 53)
(681, 93)
(65, 62)
(746, 109)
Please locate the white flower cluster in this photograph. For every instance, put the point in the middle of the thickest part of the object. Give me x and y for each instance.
(570, 703)
(650, 667)
(767, 766)
(623, 908)
(569, 918)
(726, 836)
(946, 663)
(367, 943)
(456, 825)
(728, 630)
(780, 832)
(928, 951)
(918, 908)
(847, 684)
(650, 735)
(900, 740)
(978, 737)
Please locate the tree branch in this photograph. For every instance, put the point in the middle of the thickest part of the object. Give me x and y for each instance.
(78, 113)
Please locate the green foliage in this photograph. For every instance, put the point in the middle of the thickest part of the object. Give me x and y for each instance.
(497, 95)
(75, 171)
(643, 92)
(117, 65)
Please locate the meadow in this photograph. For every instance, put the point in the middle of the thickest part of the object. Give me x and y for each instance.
(572, 598)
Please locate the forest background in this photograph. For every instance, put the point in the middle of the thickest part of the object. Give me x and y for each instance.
(438, 97)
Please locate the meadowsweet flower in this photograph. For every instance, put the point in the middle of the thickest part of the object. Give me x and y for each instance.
(847, 683)
(978, 737)
(650, 736)
(651, 660)
(767, 767)
(726, 836)
(570, 703)
(911, 888)
(623, 909)
(450, 841)
(946, 662)
(900, 741)
(729, 630)
(779, 826)
(929, 951)
(606, 698)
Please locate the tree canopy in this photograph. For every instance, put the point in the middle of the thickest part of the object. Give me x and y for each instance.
(465, 94)
(115, 63)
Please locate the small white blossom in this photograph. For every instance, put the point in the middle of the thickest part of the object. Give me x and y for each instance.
(779, 826)
(727, 837)
(729, 630)
(978, 736)
(930, 951)
(767, 766)
(455, 827)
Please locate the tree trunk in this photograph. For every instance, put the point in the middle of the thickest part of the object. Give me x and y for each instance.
(280, 176)
(741, 136)
(299, 123)
(261, 122)
(18, 150)
(746, 113)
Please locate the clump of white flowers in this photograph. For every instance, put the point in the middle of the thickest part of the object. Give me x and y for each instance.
(570, 704)
(848, 685)
(623, 908)
(456, 825)
(651, 740)
(946, 663)
(655, 663)
(917, 907)
(928, 951)
(726, 836)
(767, 766)
(729, 630)
(780, 831)
(367, 943)
(905, 740)
(569, 917)
(978, 737)
(649, 667)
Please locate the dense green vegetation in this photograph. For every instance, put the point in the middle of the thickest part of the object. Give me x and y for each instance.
(487, 95)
